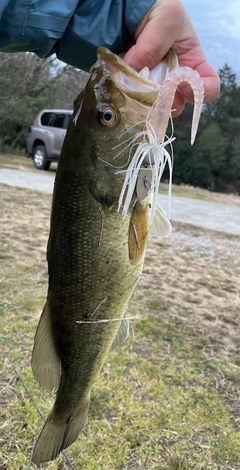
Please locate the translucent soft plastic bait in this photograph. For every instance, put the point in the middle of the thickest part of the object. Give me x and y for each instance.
(161, 110)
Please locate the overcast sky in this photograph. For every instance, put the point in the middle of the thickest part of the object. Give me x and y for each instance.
(217, 23)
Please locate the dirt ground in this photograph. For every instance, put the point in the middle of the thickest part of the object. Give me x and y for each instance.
(196, 273)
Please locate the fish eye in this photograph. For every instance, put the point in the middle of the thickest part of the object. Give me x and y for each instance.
(107, 116)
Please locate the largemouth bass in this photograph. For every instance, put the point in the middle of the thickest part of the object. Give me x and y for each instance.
(97, 242)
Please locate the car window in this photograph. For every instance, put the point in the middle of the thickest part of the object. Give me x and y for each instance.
(46, 118)
(66, 122)
(58, 120)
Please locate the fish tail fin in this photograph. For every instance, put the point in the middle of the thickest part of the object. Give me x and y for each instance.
(58, 434)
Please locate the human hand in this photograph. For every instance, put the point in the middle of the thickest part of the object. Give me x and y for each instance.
(167, 25)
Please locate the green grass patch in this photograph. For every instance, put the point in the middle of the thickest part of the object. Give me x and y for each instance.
(149, 408)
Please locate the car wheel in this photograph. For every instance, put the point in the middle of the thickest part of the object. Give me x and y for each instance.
(40, 158)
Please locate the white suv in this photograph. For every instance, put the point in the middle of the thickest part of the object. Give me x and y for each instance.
(46, 136)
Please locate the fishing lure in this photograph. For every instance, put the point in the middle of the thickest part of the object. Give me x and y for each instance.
(151, 152)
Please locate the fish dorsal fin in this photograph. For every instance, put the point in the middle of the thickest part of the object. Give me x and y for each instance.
(122, 334)
(160, 226)
(46, 364)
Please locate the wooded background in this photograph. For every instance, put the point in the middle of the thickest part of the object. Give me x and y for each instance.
(29, 84)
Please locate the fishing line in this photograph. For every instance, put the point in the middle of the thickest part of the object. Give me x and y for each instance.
(108, 320)
(40, 413)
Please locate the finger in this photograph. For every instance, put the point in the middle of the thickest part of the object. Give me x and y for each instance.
(167, 26)
(178, 103)
(211, 83)
(192, 55)
(211, 90)
(156, 34)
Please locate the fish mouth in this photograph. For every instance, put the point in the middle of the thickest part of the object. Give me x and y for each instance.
(132, 83)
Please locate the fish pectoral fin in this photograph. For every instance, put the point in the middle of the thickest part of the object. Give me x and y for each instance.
(58, 434)
(138, 232)
(46, 364)
(122, 334)
(160, 226)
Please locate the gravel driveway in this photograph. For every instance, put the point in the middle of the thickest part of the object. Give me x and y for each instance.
(221, 217)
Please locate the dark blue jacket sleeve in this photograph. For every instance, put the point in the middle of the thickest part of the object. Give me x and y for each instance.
(73, 29)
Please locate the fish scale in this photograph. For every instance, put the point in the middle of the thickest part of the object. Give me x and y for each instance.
(87, 284)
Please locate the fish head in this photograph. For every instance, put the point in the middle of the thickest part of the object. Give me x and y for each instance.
(109, 111)
(115, 97)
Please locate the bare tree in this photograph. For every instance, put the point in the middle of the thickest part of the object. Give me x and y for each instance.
(28, 84)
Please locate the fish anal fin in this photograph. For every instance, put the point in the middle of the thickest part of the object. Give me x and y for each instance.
(160, 226)
(121, 335)
(138, 232)
(46, 364)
